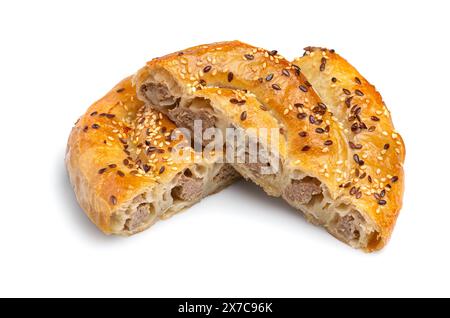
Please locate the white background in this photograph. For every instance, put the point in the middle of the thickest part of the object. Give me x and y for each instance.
(57, 57)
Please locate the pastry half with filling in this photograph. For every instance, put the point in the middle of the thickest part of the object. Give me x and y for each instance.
(341, 167)
(130, 167)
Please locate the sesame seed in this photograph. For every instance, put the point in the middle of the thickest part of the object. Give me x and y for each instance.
(243, 115)
(113, 200)
(276, 87)
(285, 72)
(269, 77)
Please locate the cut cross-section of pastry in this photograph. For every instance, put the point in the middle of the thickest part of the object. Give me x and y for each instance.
(313, 166)
(367, 127)
(129, 167)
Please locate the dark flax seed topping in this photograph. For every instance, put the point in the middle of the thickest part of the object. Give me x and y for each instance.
(113, 200)
(276, 87)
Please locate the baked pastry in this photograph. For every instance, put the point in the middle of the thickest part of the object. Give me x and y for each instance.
(328, 171)
(121, 162)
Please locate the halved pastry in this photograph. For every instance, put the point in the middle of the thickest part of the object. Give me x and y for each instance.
(347, 178)
(125, 171)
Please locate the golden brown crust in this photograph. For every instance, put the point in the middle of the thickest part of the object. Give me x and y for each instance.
(368, 129)
(315, 140)
(117, 150)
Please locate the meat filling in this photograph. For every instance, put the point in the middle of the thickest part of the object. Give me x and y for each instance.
(184, 117)
(142, 215)
(225, 173)
(158, 94)
(349, 226)
(189, 188)
(256, 167)
(302, 191)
